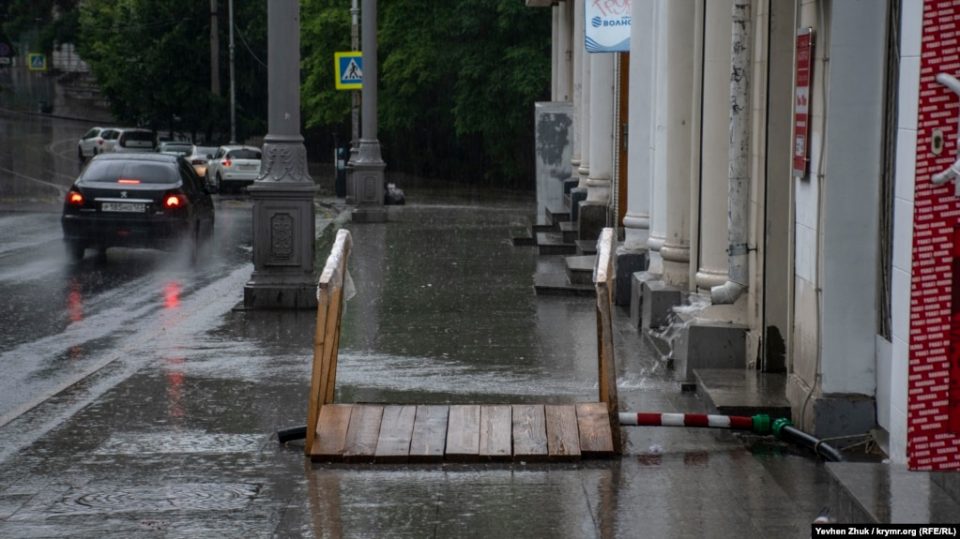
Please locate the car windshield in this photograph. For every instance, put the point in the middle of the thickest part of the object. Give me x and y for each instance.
(144, 171)
(244, 154)
(205, 150)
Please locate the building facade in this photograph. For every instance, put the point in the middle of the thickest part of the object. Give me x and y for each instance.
(784, 170)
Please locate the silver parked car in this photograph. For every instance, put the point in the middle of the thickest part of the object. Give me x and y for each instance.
(234, 167)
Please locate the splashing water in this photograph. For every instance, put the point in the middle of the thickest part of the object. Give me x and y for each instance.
(679, 318)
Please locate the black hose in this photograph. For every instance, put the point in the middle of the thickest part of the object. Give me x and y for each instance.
(293, 433)
(801, 438)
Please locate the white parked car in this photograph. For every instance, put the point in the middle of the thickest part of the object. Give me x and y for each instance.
(134, 140)
(234, 167)
(95, 141)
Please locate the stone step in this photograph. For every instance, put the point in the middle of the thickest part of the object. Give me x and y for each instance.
(551, 243)
(586, 247)
(545, 228)
(861, 492)
(557, 215)
(523, 241)
(569, 230)
(557, 284)
(744, 392)
(580, 269)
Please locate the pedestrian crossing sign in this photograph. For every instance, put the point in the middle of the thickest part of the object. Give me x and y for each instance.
(37, 61)
(348, 67)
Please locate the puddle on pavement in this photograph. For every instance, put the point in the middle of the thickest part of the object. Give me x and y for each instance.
(106, 499)
(180, 442)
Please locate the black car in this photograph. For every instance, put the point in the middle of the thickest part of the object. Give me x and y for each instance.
(136, 200)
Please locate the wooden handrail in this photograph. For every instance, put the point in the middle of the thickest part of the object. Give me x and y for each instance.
(326, 341)
(604, 276)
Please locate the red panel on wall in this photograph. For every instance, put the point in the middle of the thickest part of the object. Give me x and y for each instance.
(933, 441)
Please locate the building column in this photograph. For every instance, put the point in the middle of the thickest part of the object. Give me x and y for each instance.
(577, 82)
(675, 252)
(592, 214)
(585, 112)
(714, 145)
(643, 43)
(658, 210)
(564, 59)
(554, 51)
(601, 127)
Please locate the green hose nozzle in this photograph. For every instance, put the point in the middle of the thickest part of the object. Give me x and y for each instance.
(778, 425)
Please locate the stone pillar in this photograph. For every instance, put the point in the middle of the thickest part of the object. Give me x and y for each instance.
(601, 127)
(283, 212)
(639, 152)
(554, 51)
(716, 136)
(658, 210)
(368, 169)
(579, 193)
(632, 255)
(675, 252)
(579, 125)
(585, 111)
(564, 59)
(593, 211)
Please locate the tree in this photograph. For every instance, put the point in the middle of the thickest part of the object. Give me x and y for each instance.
(54, 20)
(151, 60)
(458, 80)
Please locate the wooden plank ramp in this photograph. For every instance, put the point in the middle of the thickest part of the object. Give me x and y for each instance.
(363, 433)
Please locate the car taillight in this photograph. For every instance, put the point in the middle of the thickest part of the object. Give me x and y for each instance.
(100, 142)
(74, 198)
(175, 201)
(128, 181)
(197, 162)
(227, 163)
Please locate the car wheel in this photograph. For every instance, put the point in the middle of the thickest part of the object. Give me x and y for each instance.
(75, 250)
(80, 153)
(94, 152)
(220, 184)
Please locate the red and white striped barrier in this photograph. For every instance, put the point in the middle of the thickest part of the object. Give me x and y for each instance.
(646, 419)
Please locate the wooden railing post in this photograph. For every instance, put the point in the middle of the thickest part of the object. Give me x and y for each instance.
(326, 340)
(603, 278)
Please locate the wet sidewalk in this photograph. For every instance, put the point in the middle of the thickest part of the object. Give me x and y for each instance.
(445, 312)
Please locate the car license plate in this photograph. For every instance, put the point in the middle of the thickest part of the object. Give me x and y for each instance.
(126, 207)
(247, 167)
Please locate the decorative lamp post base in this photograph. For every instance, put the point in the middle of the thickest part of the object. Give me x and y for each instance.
(284, 232)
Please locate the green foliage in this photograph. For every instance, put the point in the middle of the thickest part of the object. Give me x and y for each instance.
(151, 59)
(457, 83)
(42, 22)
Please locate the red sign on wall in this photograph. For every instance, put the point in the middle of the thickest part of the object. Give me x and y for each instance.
(801, 101)
(933, 438)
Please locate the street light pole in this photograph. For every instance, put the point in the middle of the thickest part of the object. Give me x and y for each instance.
(283, 212)
(233, 85)
(351, 197)
(369, 166)
(214, 50)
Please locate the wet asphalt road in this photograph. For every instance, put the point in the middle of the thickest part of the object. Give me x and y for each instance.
(136, 401)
